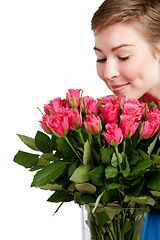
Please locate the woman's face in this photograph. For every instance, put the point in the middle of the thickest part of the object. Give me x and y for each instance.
(126, 62)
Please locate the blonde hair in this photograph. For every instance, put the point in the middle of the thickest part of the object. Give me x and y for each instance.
(144, 13)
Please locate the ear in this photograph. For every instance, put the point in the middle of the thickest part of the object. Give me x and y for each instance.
(157, 53)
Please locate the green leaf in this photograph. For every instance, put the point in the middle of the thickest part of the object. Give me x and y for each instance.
(87, 153)
(113, 186)
(101, 218)
(43, 142)
(141, 167)
(53, 142)
(137, 191)
(156, 158)
(25, 159)
(106, 196)
(153, 181)
(86, 188)
(58, 208)
(61, 196)
(140, 200)
(136, 182)
(81, 175)
(42, 162)
(152, 105)
(51, 187)
(133, 161)
(112, 209)
(155, 193)
(67, 151)
(106, 154)
(87, 198)
(97, 175)
(143, 200)
(127, 225)
(49, 157)
(71, 169)
(30, 142)
(72, 187)
(77, 198)
(152, 145)
(144, 155)
(48, 174)
(127, 170)
(59, 142)
(97, 201)
(111, 172)
(114, 160)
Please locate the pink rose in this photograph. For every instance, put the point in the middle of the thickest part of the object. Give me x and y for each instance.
(74, 116)
(148, 129)
(93, 122)
(54, 105)
(90, 104)
(128, 124)
(134, 109)
(122, 99)
(155, 110)
(109, 112)
(64, 112)
(107, 99)
(44, 123)
(73, 97)
(115, 100)
(114, 133)
(154, 115)
(55, 123)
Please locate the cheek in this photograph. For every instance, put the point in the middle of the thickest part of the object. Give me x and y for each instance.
(100, 71)
(131, 72)
(136, 68)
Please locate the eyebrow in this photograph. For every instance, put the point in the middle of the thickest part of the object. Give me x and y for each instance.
(114, 48)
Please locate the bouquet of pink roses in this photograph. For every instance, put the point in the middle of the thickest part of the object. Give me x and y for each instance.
(104, 151)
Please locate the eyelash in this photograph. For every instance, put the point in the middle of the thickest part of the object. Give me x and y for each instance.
(123, 58)
(120, 58)
(101, 60)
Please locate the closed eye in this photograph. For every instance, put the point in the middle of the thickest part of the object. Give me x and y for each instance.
(101, 60)
(123, 58)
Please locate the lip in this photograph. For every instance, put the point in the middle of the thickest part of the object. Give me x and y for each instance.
(119, 88)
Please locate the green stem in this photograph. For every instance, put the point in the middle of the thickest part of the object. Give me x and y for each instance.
(124, 145)
(140, 138)
(109, 232)
(67, 140)
(67, 191)
(102, 238)
(119, 230)
(81, 136)
(124, 218)
(117, 153)
(99, 140)
(112, 231)
(158, 151)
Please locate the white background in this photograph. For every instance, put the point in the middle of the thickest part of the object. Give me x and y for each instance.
(46, 47)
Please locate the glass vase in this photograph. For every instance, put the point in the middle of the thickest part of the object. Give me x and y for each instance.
(111, 223)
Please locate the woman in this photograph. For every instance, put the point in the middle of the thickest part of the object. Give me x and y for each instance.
(127, 45)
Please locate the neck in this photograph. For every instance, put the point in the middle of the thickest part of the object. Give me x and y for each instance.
(149, 99)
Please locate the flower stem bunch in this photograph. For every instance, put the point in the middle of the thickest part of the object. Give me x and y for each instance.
(102, 151)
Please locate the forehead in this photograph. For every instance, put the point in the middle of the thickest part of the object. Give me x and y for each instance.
(119, 33)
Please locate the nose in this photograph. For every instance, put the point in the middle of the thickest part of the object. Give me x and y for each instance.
(111, 70)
